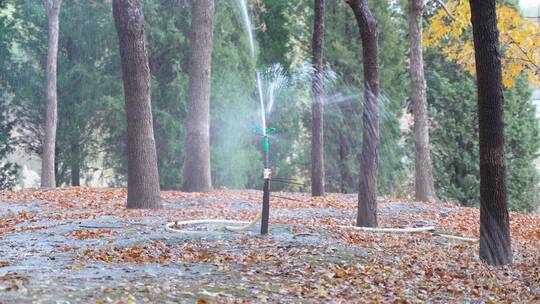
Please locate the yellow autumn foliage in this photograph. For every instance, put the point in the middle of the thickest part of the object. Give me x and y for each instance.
(519, 39)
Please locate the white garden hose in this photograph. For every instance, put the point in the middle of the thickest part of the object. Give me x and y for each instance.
(427, 229)
(248, 225)
(390, 230)
(172, 226)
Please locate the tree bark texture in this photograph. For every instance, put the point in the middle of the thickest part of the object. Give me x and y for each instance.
(48, 180)
(197, 170)
(367, 195)
(75, 163)
(424, 187)
(74, 138)
(495, 243)
(143, 178)
(317, 110)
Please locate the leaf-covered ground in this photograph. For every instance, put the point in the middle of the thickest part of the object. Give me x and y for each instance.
(81, 245)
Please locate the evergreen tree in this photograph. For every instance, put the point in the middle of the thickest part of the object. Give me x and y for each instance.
(89, 89)
(92, 128)
(168, 29)
(89, 93)
(522, 146)
(452, 101)
(8, 170)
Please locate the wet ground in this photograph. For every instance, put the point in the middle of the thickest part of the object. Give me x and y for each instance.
(62, 251)
(43, 263)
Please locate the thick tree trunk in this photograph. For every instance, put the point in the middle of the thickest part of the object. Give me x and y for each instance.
(425, 189)
(317, 122)
(367, 194)
(495, 244)
(51, 116)
(143, 178)
(197, 172)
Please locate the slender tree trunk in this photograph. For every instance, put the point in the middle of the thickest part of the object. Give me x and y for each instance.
(75, 162)
(495, 243)
(74, 138)
(197, 171)
(367, 194)
(343, 167)
(425, 189)
(317, 111)
(51, 117)
(143, 178)
(75, 175)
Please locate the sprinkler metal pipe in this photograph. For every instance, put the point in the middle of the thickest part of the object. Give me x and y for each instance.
(266, 189)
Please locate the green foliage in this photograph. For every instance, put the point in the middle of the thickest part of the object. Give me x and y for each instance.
(522, 146)
(236, 159)
(454, 131)
(393, 44)
(87, 81)
(88, 74)
(168, 28)
(273, 40)
(92, 124)
(454, 136)
(8, 170)
(343, 133)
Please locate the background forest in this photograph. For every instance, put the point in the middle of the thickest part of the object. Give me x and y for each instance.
(92, 128)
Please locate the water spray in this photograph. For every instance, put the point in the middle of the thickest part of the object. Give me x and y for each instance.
(264, 215)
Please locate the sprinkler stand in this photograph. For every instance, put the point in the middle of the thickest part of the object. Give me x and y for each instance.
(266, 189)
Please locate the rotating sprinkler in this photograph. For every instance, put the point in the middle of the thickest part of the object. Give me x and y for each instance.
(267, 174)
(263, 216)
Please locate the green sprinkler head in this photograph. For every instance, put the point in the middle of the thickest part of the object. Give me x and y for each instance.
(266, 139)
(259, 130)
(266, 144)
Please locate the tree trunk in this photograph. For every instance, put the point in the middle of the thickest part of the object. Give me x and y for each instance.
(495, 243)
(143, 178)
(75, 162)
(343, 168)
(74, 137)
(317, 122)
(51, 116)
(425, 189)
(197, 171)
(367, 194)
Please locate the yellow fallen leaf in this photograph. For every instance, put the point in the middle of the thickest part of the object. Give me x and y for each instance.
(78, 267)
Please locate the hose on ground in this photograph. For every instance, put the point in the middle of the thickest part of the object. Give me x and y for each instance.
(173, 226)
